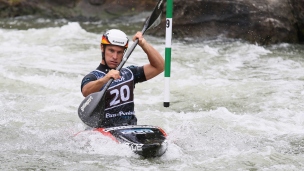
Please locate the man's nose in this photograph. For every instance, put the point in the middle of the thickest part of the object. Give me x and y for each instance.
(115, 54)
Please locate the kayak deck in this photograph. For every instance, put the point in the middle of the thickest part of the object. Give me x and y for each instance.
(145, 140)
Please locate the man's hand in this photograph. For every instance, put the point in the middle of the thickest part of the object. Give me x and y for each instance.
(141, 39)
(113, 74)
(156, 63)
(95, 86)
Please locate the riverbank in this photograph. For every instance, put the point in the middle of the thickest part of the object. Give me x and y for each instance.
(263, 22)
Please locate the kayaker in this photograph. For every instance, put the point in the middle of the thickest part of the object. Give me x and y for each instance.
(119, 103)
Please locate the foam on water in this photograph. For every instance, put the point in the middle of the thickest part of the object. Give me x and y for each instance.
(234, 105)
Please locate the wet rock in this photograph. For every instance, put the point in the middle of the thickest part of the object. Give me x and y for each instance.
(97, 2)
(257, 21)
(74, 9)
(15, 8)
(298, 12)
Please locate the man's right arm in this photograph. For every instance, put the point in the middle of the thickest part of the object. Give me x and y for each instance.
(95, 85)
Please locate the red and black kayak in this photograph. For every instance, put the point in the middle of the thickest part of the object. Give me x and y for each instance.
(145, 140)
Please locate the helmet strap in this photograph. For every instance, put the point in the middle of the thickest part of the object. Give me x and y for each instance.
(104, 56)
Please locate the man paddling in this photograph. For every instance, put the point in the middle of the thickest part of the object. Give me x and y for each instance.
(119, 101)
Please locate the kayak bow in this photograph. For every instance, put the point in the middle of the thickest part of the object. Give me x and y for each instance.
(145, 140)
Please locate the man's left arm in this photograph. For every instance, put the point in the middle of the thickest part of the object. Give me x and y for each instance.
(156, 62)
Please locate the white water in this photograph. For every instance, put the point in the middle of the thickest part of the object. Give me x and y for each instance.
(234, 105)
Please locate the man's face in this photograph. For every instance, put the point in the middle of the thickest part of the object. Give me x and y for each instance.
(113, 55)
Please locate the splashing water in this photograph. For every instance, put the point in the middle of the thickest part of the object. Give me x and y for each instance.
(234, 105)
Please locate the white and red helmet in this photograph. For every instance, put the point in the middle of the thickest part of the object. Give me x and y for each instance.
(115, 37)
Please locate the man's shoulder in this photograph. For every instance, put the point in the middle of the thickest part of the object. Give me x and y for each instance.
(133, 68)
(138, 73)
(97, 73)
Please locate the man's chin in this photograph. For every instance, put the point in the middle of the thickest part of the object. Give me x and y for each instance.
(112, 66)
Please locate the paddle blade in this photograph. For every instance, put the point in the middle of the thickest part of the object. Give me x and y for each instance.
(90, 109)
(155, 17)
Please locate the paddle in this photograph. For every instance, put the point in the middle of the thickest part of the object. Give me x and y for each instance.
(91, 109)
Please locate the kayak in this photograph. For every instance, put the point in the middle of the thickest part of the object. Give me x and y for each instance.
(145, 140)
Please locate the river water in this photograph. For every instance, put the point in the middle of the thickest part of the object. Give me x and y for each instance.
(234, 105)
